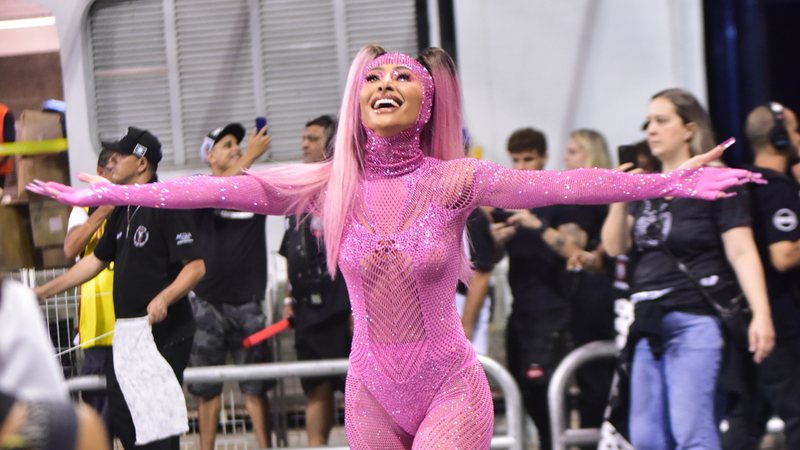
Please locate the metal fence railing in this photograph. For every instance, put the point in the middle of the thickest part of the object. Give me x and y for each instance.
(556, 394)
(513, 439)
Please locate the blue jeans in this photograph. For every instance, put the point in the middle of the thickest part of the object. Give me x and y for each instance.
(673, 398)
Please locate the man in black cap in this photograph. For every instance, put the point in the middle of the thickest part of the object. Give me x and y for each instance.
(221, 149)
(157, 261)
(228, 301)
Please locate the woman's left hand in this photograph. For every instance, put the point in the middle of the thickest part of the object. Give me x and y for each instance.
(761, 337)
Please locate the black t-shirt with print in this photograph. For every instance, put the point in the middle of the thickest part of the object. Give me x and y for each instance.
(691, 229)
(148, 246)
(235, 249)
(776, 210)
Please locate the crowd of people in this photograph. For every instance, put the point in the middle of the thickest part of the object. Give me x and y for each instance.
(391, 238)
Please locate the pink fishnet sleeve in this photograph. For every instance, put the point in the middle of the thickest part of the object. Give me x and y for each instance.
(244, 193)
(514, 189)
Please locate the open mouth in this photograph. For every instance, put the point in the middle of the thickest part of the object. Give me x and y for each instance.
(386, 104)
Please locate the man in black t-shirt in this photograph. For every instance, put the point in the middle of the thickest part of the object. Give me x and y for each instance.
(228, 301)
(157, 260)
(536, 333)
(772, 131)
(319, 305)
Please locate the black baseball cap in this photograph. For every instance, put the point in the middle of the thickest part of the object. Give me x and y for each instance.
(138, 142)
(214, 136)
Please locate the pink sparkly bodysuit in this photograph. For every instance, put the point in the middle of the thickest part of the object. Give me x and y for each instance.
(414, 379)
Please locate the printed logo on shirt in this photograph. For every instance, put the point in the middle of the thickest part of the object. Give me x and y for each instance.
(184, 238)
(234, 215)
(784, 219)
(653, 226)
(141, 236)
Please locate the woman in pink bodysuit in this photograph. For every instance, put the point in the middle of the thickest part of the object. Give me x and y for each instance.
(394, 201)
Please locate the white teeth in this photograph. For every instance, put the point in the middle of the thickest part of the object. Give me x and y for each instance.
(385, 103)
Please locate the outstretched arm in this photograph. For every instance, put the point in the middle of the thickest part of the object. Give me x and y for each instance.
(244, 193)
(516, 189)
(507, 188)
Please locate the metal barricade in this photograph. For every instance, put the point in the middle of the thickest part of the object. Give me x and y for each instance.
(514, 413)
(556, 394)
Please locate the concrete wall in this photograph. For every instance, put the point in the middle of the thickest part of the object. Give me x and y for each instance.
(563, 65)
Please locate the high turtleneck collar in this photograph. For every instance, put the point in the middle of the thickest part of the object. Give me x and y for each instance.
(400, 154)
(387, 157)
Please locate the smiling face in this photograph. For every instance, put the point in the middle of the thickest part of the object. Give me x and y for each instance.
(224, 153)
(391, 99)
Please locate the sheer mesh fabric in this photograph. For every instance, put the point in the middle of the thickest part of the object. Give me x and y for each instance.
(461, 415)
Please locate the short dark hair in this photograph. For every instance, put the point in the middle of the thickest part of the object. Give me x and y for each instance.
(104, 156)
(526, 139)
(328, 123)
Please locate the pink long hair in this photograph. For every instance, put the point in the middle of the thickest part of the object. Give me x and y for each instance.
(327, 189)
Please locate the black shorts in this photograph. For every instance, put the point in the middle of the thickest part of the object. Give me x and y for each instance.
(221, 329)
(328, 340)
(535, 345)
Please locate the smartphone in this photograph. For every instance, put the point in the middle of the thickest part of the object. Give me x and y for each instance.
(627, 154)
(501, 215)
(261, 122)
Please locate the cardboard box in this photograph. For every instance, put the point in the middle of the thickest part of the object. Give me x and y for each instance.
(37, 126)
(48, 220)
(51, 258)
(16, 249)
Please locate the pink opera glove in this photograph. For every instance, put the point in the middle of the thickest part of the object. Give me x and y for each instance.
(244, 193)
(529, 189)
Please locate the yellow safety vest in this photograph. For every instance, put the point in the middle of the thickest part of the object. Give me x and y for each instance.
(96, 314)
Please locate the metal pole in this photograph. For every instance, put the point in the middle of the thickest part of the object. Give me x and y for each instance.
(215, 374)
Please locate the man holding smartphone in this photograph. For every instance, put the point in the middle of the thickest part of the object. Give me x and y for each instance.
(228, 301)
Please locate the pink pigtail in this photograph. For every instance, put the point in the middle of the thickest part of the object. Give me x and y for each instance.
(442, 137)
(348, 159)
